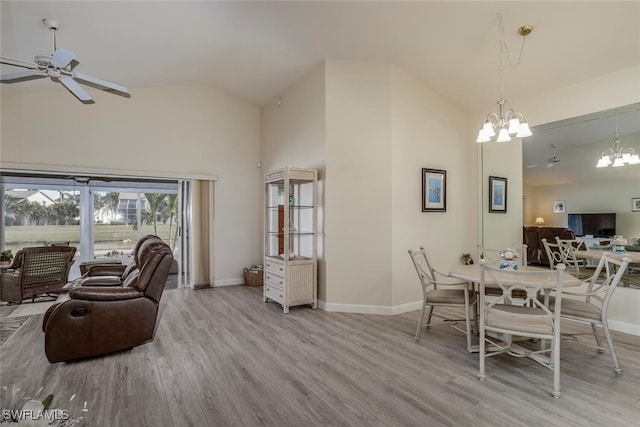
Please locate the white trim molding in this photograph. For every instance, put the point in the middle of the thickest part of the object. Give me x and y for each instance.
(122, 173)
(228, 282)
(369, 309)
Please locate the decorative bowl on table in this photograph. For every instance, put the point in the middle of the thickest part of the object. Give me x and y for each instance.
(618, 245)
(509, 265)
(508, 256)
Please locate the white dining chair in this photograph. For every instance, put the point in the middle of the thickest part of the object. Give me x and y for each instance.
(554, 253)
(505, 316)
(568, 248)
(591, 305)
(440, 290)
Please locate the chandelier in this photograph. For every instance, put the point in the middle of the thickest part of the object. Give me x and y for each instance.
(505, 123)
(618, 156)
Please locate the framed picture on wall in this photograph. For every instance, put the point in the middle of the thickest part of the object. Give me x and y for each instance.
(635, 204)
(497, 194)
(434, 190)
(558, 206)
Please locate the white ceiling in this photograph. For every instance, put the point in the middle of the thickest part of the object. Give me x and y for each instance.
(256, 49)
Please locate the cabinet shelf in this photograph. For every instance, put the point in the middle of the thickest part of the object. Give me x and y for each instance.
(295, 233)
(292, 207)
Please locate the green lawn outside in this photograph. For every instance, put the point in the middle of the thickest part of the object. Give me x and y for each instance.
(106, 237)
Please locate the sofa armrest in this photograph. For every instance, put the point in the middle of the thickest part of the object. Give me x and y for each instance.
(105, 270)
(108, 281)
(97, 293)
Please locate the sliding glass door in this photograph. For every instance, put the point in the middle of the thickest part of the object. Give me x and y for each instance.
(102, 217)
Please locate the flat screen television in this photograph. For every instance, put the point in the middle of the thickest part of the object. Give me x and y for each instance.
(595, 224)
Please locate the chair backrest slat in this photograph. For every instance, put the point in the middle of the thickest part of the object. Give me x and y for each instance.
(605, 280)
(554, 253)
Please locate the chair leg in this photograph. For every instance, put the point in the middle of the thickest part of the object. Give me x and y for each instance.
(481, 374)
(419, 329)
(429, 316)
(556, 366)
(612, 350)
(467, 318)
(595, 334)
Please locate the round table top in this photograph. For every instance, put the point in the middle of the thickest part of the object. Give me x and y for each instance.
(471, 273)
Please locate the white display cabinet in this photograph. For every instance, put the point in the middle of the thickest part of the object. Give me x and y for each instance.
(290, 244)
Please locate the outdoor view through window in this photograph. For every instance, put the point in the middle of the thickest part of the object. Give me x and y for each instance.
(102, 223)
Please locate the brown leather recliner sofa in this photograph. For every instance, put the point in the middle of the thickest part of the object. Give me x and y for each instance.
(93, 320)
(532, 237)
(114, 274)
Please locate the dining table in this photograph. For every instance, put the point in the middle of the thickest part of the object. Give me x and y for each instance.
(471, 273)
(597, 254)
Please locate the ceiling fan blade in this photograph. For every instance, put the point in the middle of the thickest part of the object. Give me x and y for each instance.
(62, 58)
(18, 63)
(22, 75)
(75, 89)
(102, 83)
(533, 166)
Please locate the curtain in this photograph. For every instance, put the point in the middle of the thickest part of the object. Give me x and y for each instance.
(202, 232)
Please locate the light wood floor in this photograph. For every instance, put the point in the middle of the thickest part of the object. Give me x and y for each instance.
(223, 357)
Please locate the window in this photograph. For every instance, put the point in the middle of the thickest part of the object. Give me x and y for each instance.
(102, 217)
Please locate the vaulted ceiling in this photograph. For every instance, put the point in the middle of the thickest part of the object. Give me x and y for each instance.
(256, 49)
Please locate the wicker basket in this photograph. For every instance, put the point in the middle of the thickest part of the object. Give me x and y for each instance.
(252, 278)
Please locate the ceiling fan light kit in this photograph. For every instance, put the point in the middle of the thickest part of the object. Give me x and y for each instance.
(551, 161)
(505, 123)
(59, 67)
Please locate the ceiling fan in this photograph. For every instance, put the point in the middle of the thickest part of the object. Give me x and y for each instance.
(551, 161)
(59, 67)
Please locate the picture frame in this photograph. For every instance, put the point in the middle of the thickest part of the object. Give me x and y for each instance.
(558, 206)
(497, 194)
(434, 190)
(635, 204)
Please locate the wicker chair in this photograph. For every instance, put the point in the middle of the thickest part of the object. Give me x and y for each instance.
(36, 271)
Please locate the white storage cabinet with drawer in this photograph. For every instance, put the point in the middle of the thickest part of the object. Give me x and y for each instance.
(290, 244)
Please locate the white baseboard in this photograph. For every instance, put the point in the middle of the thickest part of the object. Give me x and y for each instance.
(614, 325)
(627, 328)
(369, 309)
(228, 282)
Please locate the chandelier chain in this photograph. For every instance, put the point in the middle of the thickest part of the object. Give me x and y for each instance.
(507, 122)
(504, 48)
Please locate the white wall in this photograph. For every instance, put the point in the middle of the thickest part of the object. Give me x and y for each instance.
(195, 130)
(427, 132)
(502, 229)
(374, 128)
(358, 184)
(293, 134)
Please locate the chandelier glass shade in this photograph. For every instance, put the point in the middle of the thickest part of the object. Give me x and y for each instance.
(618, 156)
(505, 124)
